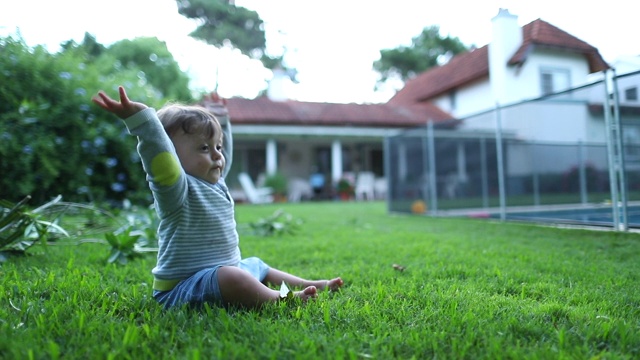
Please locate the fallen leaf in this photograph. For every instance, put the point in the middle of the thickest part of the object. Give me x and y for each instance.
(398, 267)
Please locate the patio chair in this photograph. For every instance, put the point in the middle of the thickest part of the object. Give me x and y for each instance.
(364, 185)
(255, 195)
(299, 189)
(380, 188)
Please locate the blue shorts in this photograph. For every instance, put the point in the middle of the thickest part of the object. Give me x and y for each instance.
(202, 287)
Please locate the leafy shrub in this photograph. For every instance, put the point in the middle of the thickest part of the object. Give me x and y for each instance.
(279, 223)
(52, 139)
(277, 182)
(345, 188)
(125, 245)
(21, 228)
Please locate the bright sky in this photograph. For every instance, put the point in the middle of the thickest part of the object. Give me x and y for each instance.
(332, 43)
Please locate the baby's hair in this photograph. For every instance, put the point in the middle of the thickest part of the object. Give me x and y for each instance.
(189, 118)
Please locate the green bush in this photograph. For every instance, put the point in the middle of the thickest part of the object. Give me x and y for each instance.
(53, 140)
(277, 182)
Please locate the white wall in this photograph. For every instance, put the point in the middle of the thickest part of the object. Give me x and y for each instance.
(469, 100)
(297, 159)
(566, 120)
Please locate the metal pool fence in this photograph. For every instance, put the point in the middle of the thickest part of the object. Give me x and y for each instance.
(578, 149)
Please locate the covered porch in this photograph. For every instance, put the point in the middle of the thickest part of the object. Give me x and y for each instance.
(312, 163)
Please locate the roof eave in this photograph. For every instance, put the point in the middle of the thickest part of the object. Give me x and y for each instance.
(596, 62)
(454, 86)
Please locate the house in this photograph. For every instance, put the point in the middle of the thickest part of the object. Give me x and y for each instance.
(519, 64)
(298, 138)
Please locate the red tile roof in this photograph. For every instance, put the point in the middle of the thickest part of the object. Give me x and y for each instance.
(264, 111)
(462, 69)
(541, 34)
(474, 65)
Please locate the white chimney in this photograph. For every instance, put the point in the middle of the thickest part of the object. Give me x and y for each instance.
(277, 90)
(505, 40)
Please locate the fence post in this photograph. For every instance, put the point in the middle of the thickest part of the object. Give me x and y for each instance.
(500, 159)
(386, 163)
(483, 172)
(431, 150)
(583, 173)
(613, 182)
(622, 178)
(536, 177)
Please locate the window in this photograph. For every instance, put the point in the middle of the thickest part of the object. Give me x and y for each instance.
(376, 159)
(323, 159)
(453, 99)
(554, 80)
(631, 94)
(631, 135)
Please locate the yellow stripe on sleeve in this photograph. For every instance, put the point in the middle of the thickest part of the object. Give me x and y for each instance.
(165, 169)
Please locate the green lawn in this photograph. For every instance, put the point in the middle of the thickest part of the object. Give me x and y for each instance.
(472, 289)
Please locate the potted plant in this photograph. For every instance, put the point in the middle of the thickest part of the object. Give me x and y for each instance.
(345, 189)
(278, 183)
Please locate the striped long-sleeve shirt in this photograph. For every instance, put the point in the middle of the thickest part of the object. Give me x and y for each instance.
(197, 225)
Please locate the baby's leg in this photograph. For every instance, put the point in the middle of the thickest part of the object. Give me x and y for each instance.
(276, 277)
(238, 287)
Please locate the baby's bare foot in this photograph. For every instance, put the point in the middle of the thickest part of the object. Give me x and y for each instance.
(310, 292)
(334, 284)
(331, 285)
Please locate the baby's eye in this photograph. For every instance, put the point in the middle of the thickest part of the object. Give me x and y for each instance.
(204, 147)
(219, 147)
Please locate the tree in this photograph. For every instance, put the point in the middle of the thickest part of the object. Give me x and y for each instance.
(425, 52)
(222, 23)
(89, 45)
(154, 64)
(147, 59)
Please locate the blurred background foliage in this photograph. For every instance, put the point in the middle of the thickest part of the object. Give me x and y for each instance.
(54, 140)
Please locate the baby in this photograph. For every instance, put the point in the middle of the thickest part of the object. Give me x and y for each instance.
(184, 153)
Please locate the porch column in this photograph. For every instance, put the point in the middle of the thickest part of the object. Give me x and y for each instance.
(462, 163)
(336, 161)
(272, 157)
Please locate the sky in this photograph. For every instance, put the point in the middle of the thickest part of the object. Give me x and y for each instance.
(332, 43)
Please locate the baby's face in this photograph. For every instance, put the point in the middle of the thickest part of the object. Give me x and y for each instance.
(199, 156)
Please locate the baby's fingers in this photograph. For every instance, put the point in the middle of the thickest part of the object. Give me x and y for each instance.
(104, 100)
(123, 108)
(124, 99)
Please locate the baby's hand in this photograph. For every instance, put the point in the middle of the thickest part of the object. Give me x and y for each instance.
(122, 109)
(216, 104)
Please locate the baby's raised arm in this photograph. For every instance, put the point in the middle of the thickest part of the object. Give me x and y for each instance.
(123, 108)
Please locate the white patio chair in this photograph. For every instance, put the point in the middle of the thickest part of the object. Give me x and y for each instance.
(364, 185)
(255, 195)
(380, 188)
(299, 189)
